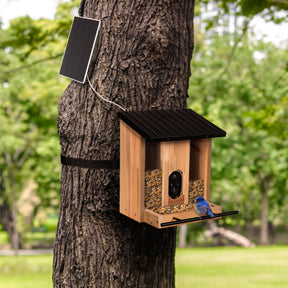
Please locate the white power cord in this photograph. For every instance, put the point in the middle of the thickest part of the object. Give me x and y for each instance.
(100, 96)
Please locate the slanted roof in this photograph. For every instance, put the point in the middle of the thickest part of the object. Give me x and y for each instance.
(169, 125)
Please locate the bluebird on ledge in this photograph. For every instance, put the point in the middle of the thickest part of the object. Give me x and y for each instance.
(202, 208)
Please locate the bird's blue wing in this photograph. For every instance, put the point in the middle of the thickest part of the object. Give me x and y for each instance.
(210, 213)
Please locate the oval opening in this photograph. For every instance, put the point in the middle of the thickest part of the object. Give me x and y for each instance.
(175, 184)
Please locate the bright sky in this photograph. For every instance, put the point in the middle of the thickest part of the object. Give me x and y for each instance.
(278, 34)
(10, 9)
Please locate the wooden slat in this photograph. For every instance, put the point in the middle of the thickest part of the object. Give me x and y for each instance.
(165, 154)
(200, 163)
(175, 155)
(132, 173)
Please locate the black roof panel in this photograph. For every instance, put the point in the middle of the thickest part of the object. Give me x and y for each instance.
(168, 125)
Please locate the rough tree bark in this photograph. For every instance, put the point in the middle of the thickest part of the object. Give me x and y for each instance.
(142, 62)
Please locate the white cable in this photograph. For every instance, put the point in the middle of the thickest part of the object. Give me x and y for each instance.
(111, 102)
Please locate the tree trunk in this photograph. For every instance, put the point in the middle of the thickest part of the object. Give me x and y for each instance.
(15, 236)
(182, 235)
(142, 62)
(10, 226)
(7, 218)
(264, 229)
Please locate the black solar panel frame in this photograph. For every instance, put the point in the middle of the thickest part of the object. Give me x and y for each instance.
(79, 48)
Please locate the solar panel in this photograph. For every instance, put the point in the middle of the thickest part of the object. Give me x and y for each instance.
(79, 48)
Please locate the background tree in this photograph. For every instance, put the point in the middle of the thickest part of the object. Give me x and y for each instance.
(241, 14)
(142, 62)
(29, 145)
(250, 99)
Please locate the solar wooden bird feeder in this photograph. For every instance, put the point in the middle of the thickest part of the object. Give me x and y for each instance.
(165, 159)
(164, 155)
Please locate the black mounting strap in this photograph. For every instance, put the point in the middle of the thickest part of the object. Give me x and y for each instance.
(91, 164)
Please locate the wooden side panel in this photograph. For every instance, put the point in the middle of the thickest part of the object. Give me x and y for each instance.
(175, 155)
(200, 163)
(132, 173)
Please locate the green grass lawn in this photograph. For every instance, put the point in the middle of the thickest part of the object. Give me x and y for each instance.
(26, 271)
(232, 267)
(195, 267)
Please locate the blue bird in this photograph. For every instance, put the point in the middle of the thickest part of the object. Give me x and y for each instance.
(202, 208)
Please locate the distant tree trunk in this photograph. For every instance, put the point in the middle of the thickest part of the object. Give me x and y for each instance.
(142, 62)
(182, 235)
(264, 228)
(15, 233)
(7, 218)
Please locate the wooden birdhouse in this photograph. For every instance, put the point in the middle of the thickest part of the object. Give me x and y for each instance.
(165, 159)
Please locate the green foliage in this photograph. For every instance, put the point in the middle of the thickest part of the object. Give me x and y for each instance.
(30, 90)
(250, 8)
(270, 10)
(246, 95)
(4, 239)
(273, 118)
